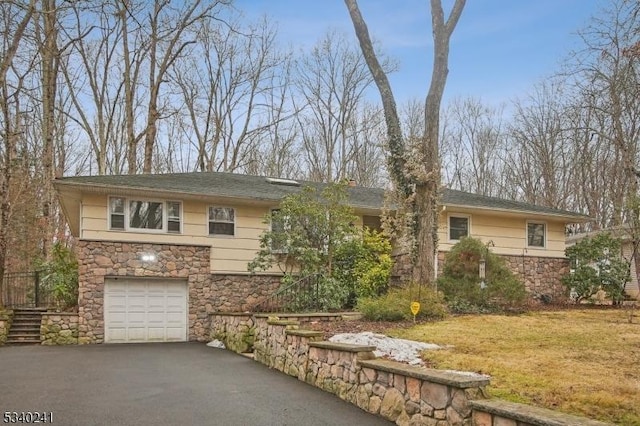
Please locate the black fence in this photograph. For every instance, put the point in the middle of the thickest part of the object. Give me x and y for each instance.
(302, 295)
(24, 290)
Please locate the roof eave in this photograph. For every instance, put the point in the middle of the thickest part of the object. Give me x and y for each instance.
(569, 217)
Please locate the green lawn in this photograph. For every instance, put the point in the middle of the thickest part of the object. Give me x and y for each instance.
(584, 362)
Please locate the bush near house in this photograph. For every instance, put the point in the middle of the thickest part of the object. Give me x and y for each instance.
(364, 265)
(464, 289)
(312, 235)
(60, 276)
(597, 264)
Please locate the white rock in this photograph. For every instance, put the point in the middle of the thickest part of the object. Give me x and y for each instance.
(397, 349)
(216, 344)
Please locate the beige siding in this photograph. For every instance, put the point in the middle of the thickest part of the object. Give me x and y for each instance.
(508, 234)
(230, 254)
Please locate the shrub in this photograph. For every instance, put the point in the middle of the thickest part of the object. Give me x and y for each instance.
(461, 283)
(60, 276)
(597, 264)
(364, 265)
(395, 305)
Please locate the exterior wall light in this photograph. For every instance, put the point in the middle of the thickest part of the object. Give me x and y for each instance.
(148, 257)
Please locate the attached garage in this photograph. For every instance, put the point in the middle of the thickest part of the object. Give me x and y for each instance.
(145, 310)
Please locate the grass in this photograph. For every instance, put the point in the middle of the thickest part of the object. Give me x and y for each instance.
(583, 362)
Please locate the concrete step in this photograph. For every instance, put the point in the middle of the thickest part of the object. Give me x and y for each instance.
(26, 320)
(23, 341)
(23, 335)
(23, 331)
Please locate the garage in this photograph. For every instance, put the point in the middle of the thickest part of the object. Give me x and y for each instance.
(145, 310)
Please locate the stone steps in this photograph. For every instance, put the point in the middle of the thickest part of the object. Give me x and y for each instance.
(25, 327)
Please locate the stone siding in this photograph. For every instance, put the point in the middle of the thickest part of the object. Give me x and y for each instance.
(207, 293)
(59, 328)
(541, 275)
(5, 324)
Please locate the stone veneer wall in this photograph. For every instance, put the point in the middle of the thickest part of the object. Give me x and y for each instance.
(59, 328)
(541, 275)
(207, 293)
(407, 395)
(5, 324)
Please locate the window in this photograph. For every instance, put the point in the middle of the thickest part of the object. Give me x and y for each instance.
(222, 221)
(145, 215)
(278, 231)
(173, 217)
(458, 227)
(131, 214)
(116, 213)
(536, 234)
(372, 222)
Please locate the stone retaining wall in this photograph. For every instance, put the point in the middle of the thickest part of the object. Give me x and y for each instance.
(235, 330)
(404, 394)
(498, 413)
(5, 324)
(395, 391)
(59, 328)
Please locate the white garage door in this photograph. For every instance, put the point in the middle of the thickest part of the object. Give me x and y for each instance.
(145, 310)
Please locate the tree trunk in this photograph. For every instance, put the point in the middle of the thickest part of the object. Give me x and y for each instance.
(422, 176)
(428, 182)
(49, 57)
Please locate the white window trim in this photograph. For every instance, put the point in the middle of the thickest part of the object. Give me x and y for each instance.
(109, 214)
(165, 216)
(458, 215)
(166, 220)
(235, 222)
(271, 210)
(546, 231)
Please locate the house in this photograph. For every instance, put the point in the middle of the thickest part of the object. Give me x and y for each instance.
(158, 253)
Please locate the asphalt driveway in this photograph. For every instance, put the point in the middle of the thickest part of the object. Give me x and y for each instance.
(162, 384)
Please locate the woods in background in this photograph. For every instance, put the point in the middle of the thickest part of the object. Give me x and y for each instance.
(119, 86)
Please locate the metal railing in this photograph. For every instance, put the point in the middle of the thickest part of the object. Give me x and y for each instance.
(303, 295)
(24, 290)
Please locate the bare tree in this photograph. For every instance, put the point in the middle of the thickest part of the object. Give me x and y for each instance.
(540, 164)
(420, 180)
(332, 80)
(90, 71)
(473, 147)
(15, 19)
(228, 90)
(608, 78)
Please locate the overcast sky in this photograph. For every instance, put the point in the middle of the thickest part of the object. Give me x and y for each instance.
(499, 49)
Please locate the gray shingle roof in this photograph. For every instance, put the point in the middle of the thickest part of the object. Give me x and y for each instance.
(233, 185)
